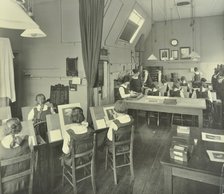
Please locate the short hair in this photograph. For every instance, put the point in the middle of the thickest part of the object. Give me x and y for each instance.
(126, 78)
(41, 95)
(13, 126)
(203, 80)
(77, 115)
(195, 69)
(183, 78)
(135, 71)
(120, 106)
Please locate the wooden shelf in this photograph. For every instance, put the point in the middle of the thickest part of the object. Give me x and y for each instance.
(174, 61)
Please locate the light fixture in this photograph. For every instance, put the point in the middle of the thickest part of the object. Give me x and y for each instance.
(31, 32)
(13, 16)
(152, 57)
(194, 55)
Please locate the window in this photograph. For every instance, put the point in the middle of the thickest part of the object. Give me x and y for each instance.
(134, 24)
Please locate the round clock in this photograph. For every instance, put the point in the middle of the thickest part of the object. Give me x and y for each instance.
(174, 42)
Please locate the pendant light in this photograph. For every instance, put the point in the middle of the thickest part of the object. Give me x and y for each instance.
(13, 16)
(152, 57)
(194, 55)
(32, 32)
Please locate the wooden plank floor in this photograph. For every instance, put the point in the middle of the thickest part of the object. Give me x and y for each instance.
(148, 147)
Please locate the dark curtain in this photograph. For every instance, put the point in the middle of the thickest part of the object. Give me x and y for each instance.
(91, 26)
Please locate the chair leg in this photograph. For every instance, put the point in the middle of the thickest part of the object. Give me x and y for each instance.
(172, 119)
(132, 167)
(93, 178)
(114, 170)
(106, 158)
(74, 180)
(63, 178)
(157, 119)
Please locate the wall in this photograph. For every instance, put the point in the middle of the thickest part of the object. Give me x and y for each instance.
(45, 58)
(209, 44)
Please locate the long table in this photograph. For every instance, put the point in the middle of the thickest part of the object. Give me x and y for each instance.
(186, 106)
(199, 167)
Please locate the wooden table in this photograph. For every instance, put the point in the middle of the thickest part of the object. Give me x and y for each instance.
(186, 106)
(199, 167)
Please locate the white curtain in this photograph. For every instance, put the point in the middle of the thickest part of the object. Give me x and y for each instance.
(7, 85)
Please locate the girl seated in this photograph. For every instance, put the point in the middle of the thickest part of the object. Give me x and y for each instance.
(78, 130)
(176, 90)
(122, 119)
(204, 92)
(136, 83)
(38, 114)
(12, 145)
(124, 91)
(153, 90)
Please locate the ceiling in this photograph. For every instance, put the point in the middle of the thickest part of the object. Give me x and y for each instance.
(167, 9)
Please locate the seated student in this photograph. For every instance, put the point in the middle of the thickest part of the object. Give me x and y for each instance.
(176, 91)
(124, 91)
(196, 80)
(164, 87)
(121, 119)
(153, 90)
(12, 145)
(136, 83)
(183, 81)
(39, 112)
(79, 130)
(204, 92)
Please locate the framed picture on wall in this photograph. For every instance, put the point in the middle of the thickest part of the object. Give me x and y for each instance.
(185, 52)
(174, 55)
(164, 54)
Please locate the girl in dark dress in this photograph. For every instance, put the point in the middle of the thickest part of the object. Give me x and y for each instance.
(12, 145)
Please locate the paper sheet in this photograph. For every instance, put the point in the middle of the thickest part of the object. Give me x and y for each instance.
(55, 135)
(212, 137)
(101, 124)
(183, 129)
(76, 80)
(215, 156)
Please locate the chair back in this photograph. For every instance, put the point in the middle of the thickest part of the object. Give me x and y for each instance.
(19, 161)
(82, 149)
(25, 112)
(5, 113)
(123, 138)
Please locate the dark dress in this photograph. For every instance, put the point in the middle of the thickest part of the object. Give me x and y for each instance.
(136, 85)
(20, 185)
(174, 93)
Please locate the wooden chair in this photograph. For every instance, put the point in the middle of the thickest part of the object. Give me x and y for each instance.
(122, 145)
(221, 191)
(17, 161)
(81, 161)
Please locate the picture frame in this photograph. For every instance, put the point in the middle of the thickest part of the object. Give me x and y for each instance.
(64, 112)
(174, 55)
(164, 54)
(109, 113)
(185, 52)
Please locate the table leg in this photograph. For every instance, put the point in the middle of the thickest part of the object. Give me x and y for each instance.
(200, 119)
(168, 180)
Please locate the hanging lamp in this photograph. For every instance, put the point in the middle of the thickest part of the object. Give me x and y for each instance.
(152, 57)
(13, 16)
(193, 55)
(32, 32)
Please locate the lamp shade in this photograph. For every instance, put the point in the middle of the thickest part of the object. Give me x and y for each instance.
(33, 33)
(152, 58)
(12, 16)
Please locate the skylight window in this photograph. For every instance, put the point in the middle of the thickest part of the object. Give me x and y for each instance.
(134, 24)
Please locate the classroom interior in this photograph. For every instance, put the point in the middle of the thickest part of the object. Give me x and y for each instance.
(163, 39)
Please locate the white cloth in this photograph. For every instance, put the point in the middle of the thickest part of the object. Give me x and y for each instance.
(7, 86)
(78, 129)
(31, 113)
(122, 118)
(194, 95)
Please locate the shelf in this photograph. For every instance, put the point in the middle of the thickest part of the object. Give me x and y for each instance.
(174, 61)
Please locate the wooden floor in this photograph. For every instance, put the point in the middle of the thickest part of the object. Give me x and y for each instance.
(148, 147)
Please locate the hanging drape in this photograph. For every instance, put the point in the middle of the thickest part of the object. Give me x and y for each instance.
(91, 27)
(7, 85)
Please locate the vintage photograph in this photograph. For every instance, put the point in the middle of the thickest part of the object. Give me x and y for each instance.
(185, 52)
(212, 137)
(216, 156)
(164, 54)
(174, 55)
(109, 113)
